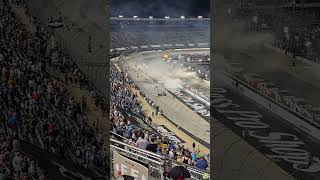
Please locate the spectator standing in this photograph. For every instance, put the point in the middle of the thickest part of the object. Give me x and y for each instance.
(142, 143)
(202, 163)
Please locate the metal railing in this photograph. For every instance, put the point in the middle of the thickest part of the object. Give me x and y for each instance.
(154, 161)
(157, 164)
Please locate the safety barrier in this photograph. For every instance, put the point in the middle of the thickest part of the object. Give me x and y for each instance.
(268, 103)
(157, 164)
(159, 47)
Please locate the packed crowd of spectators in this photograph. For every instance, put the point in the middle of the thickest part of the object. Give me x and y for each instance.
(197, 57)
(121, 95)
(132, 133)
(198, 63)
(292, 32)
(35, 101)
(304, 43)
(147, 34)
(16, 165)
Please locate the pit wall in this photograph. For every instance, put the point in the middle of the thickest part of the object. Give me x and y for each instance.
(182, 46)
(270, 104)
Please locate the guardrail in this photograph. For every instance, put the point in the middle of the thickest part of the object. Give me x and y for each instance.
(154, 161)
(270, 104)
(300, 58)
(158, 164)
(160, 47)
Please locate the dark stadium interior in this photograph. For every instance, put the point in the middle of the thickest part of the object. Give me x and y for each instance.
(267, 54)
(149, 43)
(116, 89)
(145, 32)
(44, 127)
(160, 8)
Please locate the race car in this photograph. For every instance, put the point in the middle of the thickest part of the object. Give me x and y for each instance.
(162, 94)
(165, 57)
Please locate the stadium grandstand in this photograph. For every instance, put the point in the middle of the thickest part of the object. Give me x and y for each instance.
(267, 65)
(50, 108)
(131, 32)
(294, 24)
(133, 127)
(143, 129)
(54, 112)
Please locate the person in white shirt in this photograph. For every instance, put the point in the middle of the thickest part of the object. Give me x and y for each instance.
(142, 143)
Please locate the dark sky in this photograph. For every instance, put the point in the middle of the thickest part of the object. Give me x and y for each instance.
(160, 8)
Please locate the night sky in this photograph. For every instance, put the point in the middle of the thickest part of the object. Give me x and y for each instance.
(160, 8)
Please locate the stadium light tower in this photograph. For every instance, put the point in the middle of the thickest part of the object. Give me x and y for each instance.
(183, 17)
(120, 16)
(199, 17)
(167, 17)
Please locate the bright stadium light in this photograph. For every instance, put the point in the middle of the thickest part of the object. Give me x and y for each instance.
(150, 17)
(200, 17)
(189, 67)
(199, 71)
(120, 16)
(135, 17)
(183, 17)
(206, 75)
(167, 17)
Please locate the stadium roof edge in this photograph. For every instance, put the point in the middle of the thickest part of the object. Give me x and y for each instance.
(156, 19)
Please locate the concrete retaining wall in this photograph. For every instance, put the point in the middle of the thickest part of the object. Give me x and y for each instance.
(267, 103)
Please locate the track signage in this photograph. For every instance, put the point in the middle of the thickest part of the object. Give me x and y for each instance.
(125, 166)
(281, 146)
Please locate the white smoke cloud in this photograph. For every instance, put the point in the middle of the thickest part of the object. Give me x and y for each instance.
(164, 73)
